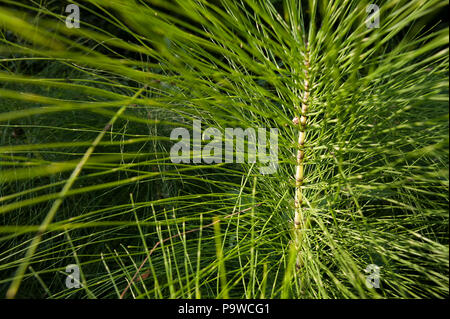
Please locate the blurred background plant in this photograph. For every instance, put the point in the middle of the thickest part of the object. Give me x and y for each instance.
(86, 178)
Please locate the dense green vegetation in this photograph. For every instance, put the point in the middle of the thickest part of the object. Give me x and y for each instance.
(86, 176)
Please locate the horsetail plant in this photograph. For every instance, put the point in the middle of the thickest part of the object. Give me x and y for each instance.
(356, 207)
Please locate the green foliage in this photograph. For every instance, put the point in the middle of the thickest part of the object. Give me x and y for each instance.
(86, 177)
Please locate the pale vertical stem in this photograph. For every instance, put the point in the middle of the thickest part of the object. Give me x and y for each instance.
(300, 171)
(299, 175)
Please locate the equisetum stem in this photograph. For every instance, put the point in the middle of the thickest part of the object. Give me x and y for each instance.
(299, 174)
